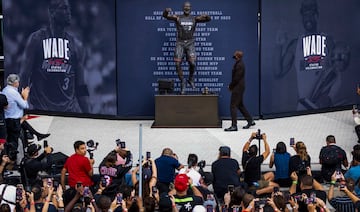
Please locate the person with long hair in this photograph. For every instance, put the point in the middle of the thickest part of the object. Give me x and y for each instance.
(300, 162)
(280, 158)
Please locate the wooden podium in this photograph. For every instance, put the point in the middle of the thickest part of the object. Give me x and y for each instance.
(186, 111)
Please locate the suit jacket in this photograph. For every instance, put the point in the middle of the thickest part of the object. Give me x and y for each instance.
(238, 77)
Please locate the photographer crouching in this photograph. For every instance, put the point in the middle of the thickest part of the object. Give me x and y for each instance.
(34, 163)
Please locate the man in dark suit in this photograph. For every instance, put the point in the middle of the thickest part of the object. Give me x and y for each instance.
(237, 88)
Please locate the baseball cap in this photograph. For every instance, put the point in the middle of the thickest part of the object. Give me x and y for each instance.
(181, 182)
(2, 141)
(32, 149)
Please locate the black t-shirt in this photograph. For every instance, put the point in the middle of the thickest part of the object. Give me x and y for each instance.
(252, 167)
(33, 166)
(327, 169)
(187, 203)
(225, 173)
(298, 165)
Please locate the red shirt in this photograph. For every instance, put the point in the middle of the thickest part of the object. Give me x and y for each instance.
(78, 167)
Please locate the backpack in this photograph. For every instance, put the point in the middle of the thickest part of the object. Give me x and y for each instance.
(331, 156)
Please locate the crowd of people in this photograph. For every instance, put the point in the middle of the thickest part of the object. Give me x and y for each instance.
(164, 184)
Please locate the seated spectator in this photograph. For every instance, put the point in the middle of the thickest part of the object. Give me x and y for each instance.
(226, 171)
(33, 163)
(331, 158)
(308, 186)
(166, 165)
(280, 158)
(191, 171)
(298, 163)
(252, 166)
(341, 203)
(354, 171)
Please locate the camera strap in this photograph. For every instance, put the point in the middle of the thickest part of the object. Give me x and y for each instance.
(248, 160)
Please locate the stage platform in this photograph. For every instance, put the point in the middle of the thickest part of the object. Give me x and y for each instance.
(186, 111)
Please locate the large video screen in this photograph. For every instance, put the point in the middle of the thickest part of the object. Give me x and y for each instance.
(64, 51)
(146, 43)
(309, 52)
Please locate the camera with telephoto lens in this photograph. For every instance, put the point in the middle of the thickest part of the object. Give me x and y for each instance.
(258, 135)
(201, 164)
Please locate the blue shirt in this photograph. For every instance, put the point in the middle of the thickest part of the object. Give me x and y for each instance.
(16, 104)
(281, 162)
(354, 173)
(166, 166)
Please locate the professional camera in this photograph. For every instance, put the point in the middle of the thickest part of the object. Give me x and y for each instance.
(120, 143)
(201, 164)
(258, 135)
(92, 146)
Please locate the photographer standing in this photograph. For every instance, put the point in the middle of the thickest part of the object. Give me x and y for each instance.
(78, 166)
(252, 165)
(226, 172)
(34, 163)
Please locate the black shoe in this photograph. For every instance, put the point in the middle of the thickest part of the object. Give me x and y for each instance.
(42, 136)
(249, 124)
(191, 83)
(230, 129)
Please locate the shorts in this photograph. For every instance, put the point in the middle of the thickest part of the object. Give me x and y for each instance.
(187, 47)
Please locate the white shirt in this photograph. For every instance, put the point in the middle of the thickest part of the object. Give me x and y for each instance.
(193, 174)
